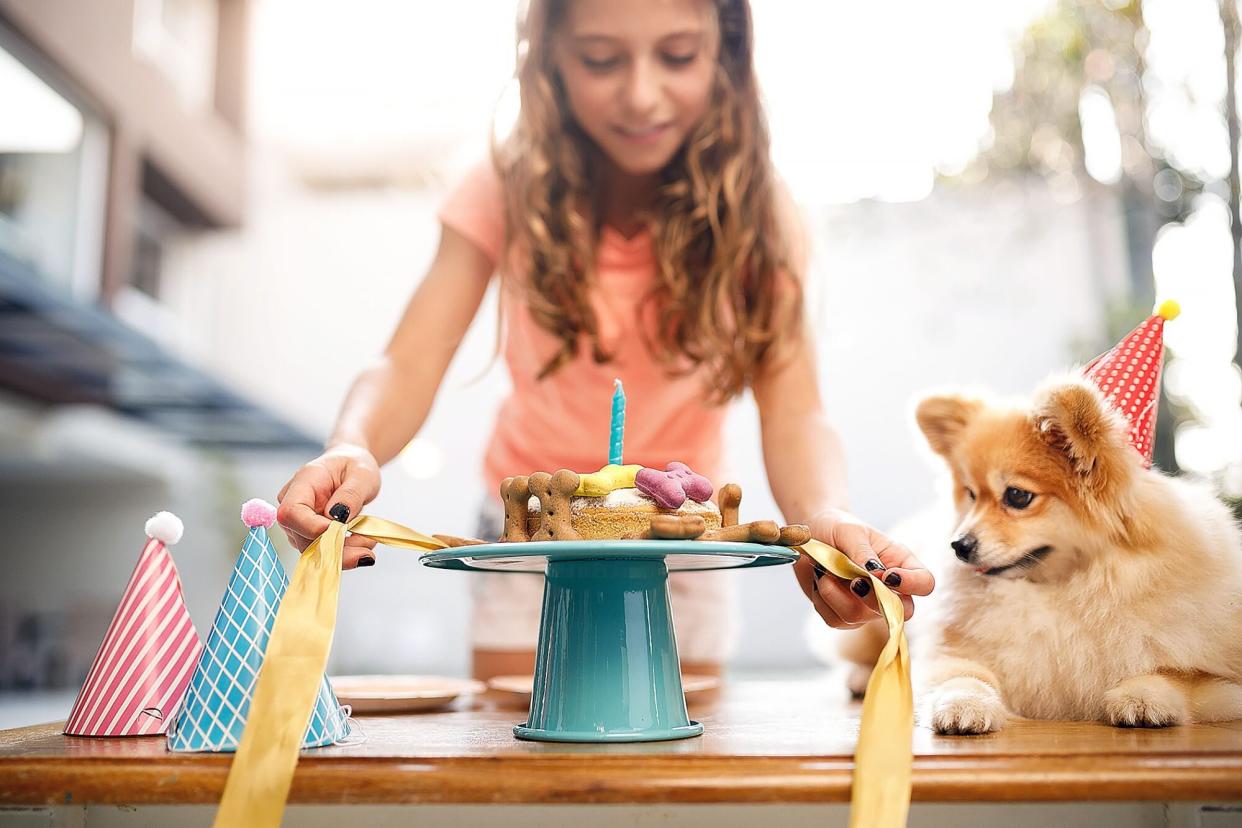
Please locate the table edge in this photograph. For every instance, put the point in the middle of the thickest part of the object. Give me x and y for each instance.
(565, 778)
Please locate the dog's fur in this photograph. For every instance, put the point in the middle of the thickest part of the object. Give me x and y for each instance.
(1115, 595)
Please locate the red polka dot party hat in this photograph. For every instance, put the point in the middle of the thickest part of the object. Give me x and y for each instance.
(1129, 376)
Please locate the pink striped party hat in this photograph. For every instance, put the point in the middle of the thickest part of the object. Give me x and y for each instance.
(1129, 376)
(148, 654)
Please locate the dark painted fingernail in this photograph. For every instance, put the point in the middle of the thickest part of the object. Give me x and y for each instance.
(874, 565)
(339, 512)
(819, 570)
(861, 587)
(366, 561)
(892, 579)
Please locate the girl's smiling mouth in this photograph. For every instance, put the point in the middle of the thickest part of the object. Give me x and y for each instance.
(643, 135)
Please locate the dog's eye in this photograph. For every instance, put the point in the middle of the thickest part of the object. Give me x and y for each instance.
(1016, 498)
(969, 494)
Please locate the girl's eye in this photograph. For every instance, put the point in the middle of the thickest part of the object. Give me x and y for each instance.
(680, 59)
(1016, 498)
(600, 64)
(971, 495)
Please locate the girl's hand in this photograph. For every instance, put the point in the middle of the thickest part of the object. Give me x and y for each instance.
(337, 483)
(850, 604)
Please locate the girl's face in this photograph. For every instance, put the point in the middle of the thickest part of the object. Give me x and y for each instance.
(638, 74)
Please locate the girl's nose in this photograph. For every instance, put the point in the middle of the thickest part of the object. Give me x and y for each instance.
(642, 88)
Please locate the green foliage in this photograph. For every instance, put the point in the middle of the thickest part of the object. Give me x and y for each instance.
(1036, 130)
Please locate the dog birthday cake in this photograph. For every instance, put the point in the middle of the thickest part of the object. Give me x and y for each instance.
(645, 512)
(628, 502)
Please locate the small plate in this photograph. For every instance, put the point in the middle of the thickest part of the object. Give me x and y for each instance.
(519, 687)
(400, 694)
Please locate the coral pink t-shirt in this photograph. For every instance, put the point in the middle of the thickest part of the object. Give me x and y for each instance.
(562, 421)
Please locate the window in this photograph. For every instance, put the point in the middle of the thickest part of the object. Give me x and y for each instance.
(153, 230)
(53, 172)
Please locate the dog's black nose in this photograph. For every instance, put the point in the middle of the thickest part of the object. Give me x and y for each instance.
(964, 547)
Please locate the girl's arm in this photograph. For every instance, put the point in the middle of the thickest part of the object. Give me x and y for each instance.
(390, 400)
(806, 470)
(801, 449)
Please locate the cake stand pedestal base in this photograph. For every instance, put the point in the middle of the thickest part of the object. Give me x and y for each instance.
(606, 666)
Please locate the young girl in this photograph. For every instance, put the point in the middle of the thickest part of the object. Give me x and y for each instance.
(639, 232)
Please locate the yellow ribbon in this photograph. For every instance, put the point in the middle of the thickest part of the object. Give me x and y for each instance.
(288, 683)
(880, 795)
(297, 654)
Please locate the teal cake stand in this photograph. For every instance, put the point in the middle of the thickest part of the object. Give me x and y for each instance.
(606, 667)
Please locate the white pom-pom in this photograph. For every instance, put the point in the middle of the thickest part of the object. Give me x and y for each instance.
(166, 527)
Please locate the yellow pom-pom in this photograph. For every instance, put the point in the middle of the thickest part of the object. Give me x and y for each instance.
(1168, 310)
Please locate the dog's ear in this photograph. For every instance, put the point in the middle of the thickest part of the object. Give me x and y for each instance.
(942, 419)
(1074, 418)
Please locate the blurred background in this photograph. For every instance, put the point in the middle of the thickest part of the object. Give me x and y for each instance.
(213, 211)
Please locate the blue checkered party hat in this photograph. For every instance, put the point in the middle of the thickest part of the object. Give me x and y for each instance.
(214, 712)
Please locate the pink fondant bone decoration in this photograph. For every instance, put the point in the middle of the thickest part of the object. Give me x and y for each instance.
(671, 487)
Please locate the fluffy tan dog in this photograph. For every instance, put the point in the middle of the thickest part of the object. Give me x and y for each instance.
(1087, 586)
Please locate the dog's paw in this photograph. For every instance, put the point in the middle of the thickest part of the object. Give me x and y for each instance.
(967, 709)
(856, 679)
(1146, 701)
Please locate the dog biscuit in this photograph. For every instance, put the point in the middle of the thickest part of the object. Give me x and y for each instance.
(795, 534)
(758, 531)
(730, 501)
(515, 492)
(677, 527)
(555, 512)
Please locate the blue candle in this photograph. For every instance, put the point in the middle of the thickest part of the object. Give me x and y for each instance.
(617, 431)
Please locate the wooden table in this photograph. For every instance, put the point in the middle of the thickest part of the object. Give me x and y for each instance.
(764, 742)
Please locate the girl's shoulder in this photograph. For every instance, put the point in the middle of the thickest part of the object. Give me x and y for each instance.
(475, 208)
(481, 180)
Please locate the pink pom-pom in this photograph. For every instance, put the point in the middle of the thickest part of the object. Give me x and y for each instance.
(257, 512)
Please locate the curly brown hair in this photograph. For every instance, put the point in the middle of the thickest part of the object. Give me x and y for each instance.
(724, 292)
